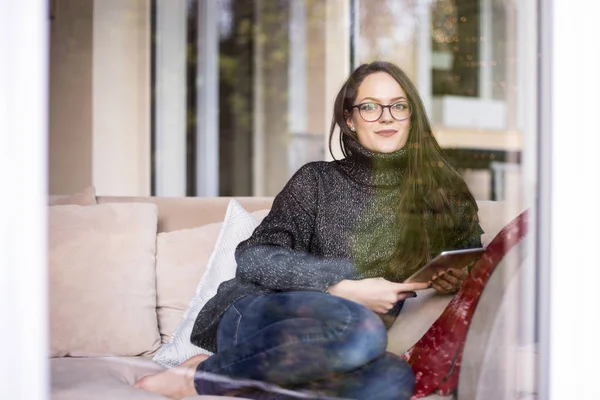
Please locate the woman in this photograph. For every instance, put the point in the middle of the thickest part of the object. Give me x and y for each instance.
(321, 277)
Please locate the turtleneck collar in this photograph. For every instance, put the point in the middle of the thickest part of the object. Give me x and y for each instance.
(371, 168)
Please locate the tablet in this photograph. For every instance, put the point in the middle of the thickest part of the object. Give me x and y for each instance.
(445, 260)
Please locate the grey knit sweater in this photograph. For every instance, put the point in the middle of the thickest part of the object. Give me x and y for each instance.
(332, 221)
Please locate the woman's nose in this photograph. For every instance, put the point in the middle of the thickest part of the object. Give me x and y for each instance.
(386, 116)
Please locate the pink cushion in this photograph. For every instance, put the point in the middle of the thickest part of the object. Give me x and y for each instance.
(181, 260)
(102, 280)
(238, 225)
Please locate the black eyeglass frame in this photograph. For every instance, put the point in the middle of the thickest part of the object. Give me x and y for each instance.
(357, 106)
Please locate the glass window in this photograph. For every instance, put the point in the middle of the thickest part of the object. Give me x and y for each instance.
(231, 97)
(256, 98)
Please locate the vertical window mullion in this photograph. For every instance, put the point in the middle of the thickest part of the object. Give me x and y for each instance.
(207, 113)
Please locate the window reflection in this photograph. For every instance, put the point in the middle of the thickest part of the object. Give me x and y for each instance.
(242, 92)
(278, 63)
(464, 62)
(472, 62)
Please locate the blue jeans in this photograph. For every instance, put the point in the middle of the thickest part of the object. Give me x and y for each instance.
(303, 345)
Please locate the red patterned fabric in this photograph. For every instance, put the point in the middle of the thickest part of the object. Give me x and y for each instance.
(436, 357)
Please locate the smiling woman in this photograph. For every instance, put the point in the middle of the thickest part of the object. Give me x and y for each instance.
(321, 278)
(382, 128)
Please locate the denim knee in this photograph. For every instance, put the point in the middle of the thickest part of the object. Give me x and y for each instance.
(363, 341)
(400, 381)
(387, 378)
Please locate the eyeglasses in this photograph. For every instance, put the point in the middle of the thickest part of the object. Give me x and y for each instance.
(371, 112)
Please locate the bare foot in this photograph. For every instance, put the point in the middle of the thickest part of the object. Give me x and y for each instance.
(175, 383)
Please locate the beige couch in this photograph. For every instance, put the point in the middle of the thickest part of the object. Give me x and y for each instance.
(101, 345)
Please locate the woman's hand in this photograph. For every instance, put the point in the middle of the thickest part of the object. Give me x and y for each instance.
(377, 294)
(449, 281)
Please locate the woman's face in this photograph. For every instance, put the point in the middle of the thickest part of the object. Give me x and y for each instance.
(386, 134)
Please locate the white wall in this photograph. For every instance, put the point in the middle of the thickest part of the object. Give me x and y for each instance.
(100, 97)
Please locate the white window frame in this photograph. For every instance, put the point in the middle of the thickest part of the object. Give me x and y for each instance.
(568, 191)
(24, 69)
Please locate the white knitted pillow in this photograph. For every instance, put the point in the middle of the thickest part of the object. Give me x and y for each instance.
(238, 225)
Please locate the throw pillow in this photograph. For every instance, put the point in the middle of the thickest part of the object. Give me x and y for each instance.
(102, 280)
(86, 197)
(181, 260)
(237, 226)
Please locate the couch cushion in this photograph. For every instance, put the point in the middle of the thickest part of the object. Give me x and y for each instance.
(181, 259)
(86, 197)
(237, 226)
(102, 280)
(106, 378)
(175, 213)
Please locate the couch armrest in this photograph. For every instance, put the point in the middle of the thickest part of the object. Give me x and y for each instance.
(416, 317)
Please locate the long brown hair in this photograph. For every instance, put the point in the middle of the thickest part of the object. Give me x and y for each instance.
(434, 201)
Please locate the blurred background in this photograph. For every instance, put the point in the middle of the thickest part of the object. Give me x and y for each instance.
(231, 97)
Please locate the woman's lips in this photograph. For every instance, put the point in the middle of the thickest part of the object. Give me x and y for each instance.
(386, 132)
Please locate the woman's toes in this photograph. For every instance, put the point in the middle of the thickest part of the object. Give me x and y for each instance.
(141, 383)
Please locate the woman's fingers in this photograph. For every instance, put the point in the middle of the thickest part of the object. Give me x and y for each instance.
(410, 287)
(443, 282)
(406, 295)
(384, 308)
(440, 289)
(458, 273)
(452, 280)
(448, 281)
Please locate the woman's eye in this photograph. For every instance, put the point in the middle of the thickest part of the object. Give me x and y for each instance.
(369, 107)
(400, 106)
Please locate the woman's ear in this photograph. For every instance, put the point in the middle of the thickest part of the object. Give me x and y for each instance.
(348, 120)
